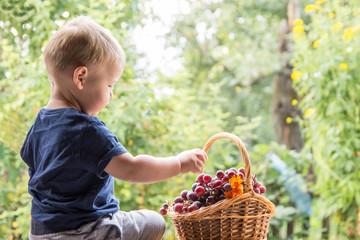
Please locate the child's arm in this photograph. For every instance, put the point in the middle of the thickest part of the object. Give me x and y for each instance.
(147, 169)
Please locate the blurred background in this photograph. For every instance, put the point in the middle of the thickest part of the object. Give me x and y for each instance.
(282, 75)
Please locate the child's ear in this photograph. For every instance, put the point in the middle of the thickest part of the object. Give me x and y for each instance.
(80, 74)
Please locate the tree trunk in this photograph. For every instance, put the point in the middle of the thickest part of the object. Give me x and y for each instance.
(287, 129)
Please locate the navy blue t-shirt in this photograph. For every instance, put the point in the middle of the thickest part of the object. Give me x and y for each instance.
(67, 152)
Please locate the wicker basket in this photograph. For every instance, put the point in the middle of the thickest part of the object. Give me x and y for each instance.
(242, 217)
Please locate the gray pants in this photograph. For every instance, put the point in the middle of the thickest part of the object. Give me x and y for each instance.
(134, 225)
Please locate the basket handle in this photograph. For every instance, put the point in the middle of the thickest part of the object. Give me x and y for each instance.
(244, 154)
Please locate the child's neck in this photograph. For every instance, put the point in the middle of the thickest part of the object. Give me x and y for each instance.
(58, 100)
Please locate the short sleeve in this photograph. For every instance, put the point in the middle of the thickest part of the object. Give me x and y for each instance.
(99, 146)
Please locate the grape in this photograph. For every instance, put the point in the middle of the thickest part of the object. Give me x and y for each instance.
(234, 169)
(220, 174)
(242, 170)
(256, 190)
(241, 175)
(178, 207)
(217, 183)
(210, 200)
(183, 194)
(163, 211)
(221, 197)
(165, 205)
(199, 191)
(178, 200)
(207, 178)
(193, 207)
(184, 209)
(199, 204)
(199, 178)
(225, 178)
(194, 186)
(255, 182)
(231, 173)
(227, 187)
(192, 196)
(262, 189)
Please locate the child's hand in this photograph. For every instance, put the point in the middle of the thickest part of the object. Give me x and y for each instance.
(192, 160)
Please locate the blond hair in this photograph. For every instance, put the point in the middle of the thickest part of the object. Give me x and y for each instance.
(82, 42)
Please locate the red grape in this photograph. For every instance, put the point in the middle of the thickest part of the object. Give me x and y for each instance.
(256, 190)
(192, 196)
(231, 173)
(227, 187)
(198, 203)
(178, 207)
(193, 207)
(165, 205)
(200, 178)
(210, 200)
(163, 211)
(194, 186)
(207, 178)
(220, 174)
(262, 189)
(178, 200)
(242, 170)
(217, 183)
(199, 190)
(183, 194)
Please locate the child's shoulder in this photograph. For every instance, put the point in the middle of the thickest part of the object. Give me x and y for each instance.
(67, 116)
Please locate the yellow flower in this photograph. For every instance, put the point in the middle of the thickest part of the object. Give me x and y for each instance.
(3, 228)
(130, 143)
(338, 26)
(331, 15)
(320, 1)
(350, 31)
(310, 7)
(294, 102)
(15, 224)
(298, 22)
(309, 112)
(288, 120)
(343, 66)
(296, 75)
(179, 180)
(298, 29)
(238, 89)
(316, 43)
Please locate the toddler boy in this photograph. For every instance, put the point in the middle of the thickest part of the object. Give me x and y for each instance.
(73, 157)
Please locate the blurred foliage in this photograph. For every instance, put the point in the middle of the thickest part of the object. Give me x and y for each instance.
(326, 76)
(233, 46)
(229, 54)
